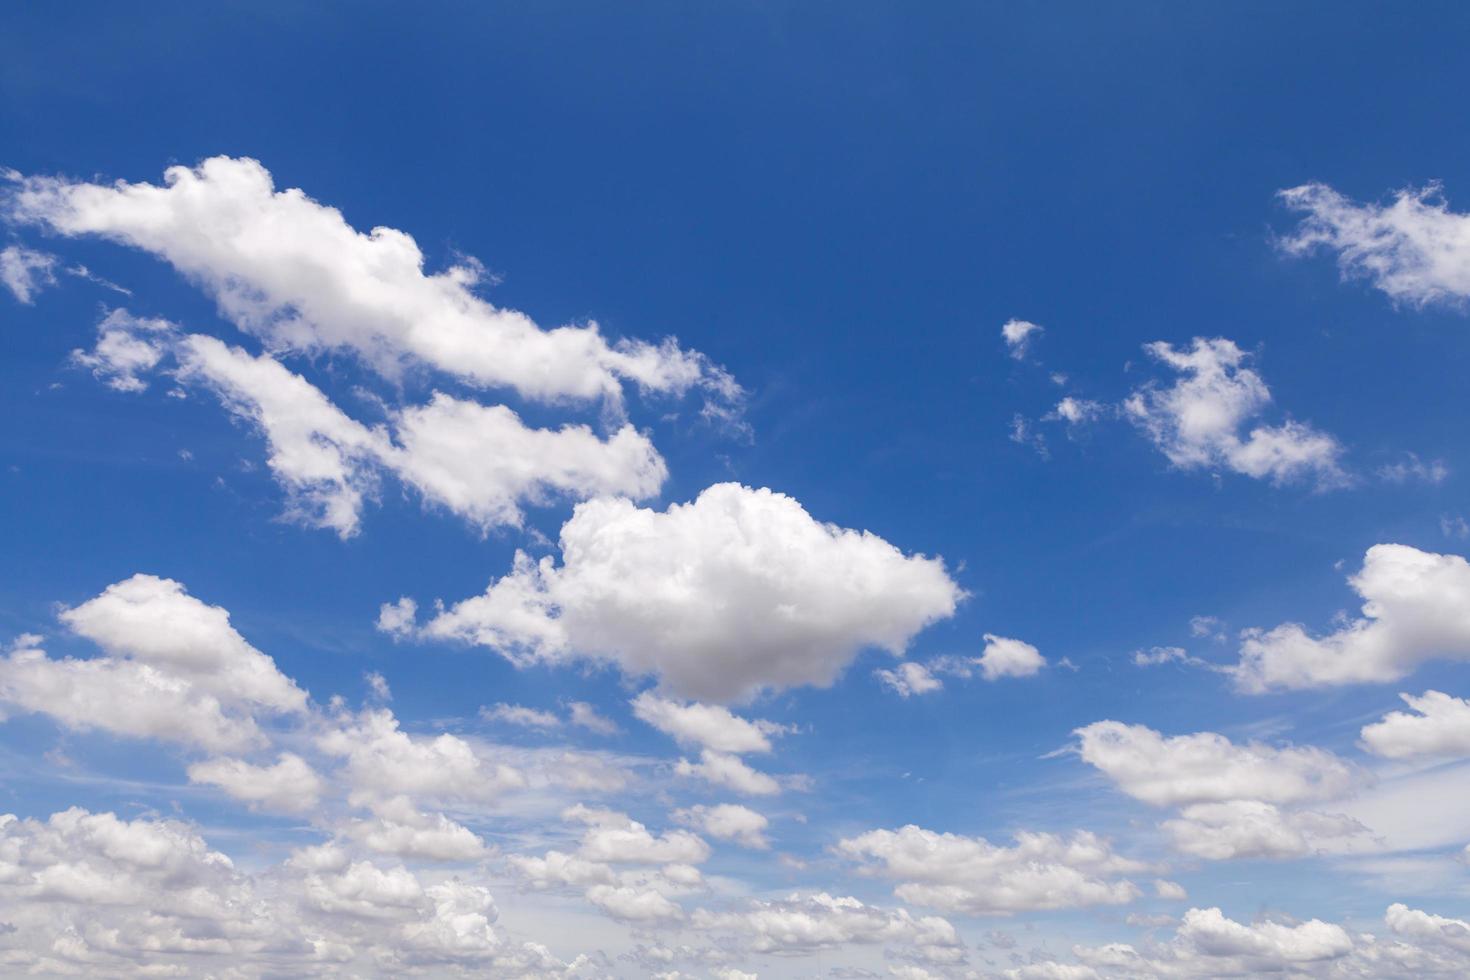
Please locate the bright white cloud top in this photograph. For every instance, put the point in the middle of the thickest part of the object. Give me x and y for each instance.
(737, 591)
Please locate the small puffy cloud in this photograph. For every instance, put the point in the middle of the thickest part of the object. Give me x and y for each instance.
(972, 876)
(1018, 335)
(290, 785)
(1414, 249)
(127, 348)
(583, 715)
(1171, 890)
(728, 821)
(1416, 607)
(909, 678)
(729, 771)
(1077, 411)
(224, 226)
(1005, 657)
(1439, 725)
(736, 592)
(1208, 768)
(710, 726)
(614, 838)
(517, 714)
(25, 272)
(1199, 421)
(397, 619)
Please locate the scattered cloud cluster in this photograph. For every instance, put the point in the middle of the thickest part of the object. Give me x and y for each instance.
(1200, 422)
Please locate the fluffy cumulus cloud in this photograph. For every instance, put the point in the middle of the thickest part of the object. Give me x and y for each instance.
(1416, 607)
(1005, 657)
(289, 785)
(728, 821)
(972, 876)
(1235, 800)
(1208, 768)
(294, 273)
(172, 668)
(738, 591)
(1415, 249)
(480, 462)
(1253, 829)
(1437, 724)
(708, 725)
(1201, 420)
(25, 271)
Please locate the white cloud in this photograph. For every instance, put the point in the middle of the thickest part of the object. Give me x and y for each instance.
(583, 715)
(90, 894)
(1416, 250)
(25, 272)
(409, 833)
(909, 678)
(614, 838)
(1018, 335)
(1004, 657)
(1171, 890)
(1252, 829)
(1208, 768)
(174, 669)
(127, 347)
(810, 923)
(1209, 944)
(728, 821)
(729, 771)
(296, 274)
(631, 904)
(397, 618)
(1197, 423)
(155, 621)
(382, 761)
(1160, 655)
(1412, 469)
(972, 876)
(289, 786)
(708, 725)
(1439, 725)
(517, 714)
(1077, 411)
(480, 462)
(1416, 608)
(739, 591)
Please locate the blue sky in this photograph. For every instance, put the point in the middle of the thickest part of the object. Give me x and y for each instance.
(1215, 399)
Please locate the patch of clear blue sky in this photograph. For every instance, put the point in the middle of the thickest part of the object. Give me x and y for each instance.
(841, 204)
